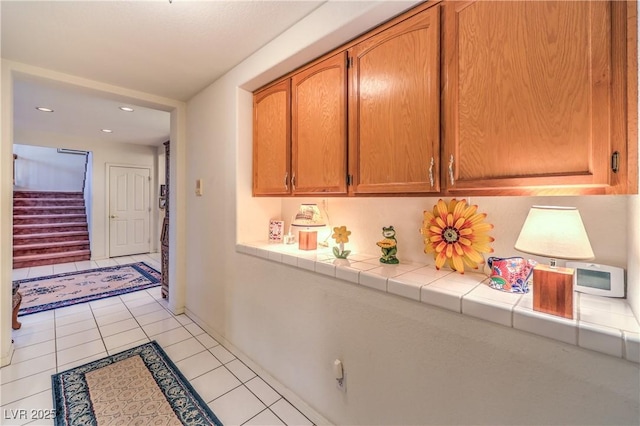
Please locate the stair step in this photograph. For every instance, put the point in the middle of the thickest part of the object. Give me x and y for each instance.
(39, 228)
(49, 236)
(50, 259)
(48, 218)
(49, 227)
(42, 250)
(48, 245)
(38, 210)
(48, 202)
(53, 255)
(48, 194)
(51, 216)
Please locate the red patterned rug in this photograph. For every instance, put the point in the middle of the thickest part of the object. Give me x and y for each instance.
(56, 291)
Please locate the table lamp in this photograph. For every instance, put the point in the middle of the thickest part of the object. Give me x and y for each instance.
(556, 233)
(308, 220)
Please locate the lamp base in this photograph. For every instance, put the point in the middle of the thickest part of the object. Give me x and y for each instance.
(553, 290)
(308, 240)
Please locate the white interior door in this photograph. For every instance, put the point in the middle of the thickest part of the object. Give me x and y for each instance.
(129, 210)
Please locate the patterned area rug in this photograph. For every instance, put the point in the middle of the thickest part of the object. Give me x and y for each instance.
(140, 386)
(56, 291)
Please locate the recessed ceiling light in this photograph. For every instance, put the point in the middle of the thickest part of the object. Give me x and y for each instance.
(127, 109)
(44, 109)
(107, 130)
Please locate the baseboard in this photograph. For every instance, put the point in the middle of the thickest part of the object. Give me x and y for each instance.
(5, 359)
(287, 393)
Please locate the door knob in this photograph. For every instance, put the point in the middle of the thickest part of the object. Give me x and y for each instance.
(113, 216)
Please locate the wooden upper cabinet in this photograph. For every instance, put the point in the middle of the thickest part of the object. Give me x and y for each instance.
(272, 140)
(319, 128)
(394, 108)
(532, 95)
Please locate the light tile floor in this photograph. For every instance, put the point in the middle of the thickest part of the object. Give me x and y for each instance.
(57, 340)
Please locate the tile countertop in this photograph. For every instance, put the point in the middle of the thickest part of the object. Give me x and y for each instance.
(601, 324)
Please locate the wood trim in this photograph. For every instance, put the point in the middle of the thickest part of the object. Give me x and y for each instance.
(632, 97)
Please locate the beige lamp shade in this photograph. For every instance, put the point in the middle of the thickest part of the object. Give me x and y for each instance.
(309, 216)
(554, 232)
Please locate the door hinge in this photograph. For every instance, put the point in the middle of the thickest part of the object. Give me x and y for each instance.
(349, 180)
(615, 162)
(349, 61)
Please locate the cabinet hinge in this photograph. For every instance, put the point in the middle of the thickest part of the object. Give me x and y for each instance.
(615, 162)
(349, 180)
(349, 61)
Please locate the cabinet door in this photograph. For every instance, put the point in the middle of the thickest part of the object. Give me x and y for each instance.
(272, 140)
(394, 108)
(527, 95)
(319, 128)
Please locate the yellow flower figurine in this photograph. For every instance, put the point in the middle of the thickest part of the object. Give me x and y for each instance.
(457, 234)
(341, 235)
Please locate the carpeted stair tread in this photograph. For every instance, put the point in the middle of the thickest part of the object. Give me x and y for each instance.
(47, 194)
(17, 247)
(45, 235)
(21, 210)
(44, 202)
(52, 255)
(41, 260)
(49, 216)
(49, 227)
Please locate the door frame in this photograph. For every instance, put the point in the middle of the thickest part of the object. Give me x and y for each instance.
(178, 111)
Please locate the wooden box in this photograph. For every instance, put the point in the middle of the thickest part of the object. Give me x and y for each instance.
(553, 290)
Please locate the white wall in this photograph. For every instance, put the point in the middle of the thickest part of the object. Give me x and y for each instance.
(633, 270)
(365, 217)
(102, 155)
(405, 362)
(45, 169)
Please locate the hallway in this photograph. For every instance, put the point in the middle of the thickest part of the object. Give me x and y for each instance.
(57, 340)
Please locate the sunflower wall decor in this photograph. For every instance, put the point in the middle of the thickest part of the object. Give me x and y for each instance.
(457, 234)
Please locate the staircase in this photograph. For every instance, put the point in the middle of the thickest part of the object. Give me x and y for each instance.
(48, 228)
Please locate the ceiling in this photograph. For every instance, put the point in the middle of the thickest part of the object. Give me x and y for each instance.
(173, 50)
